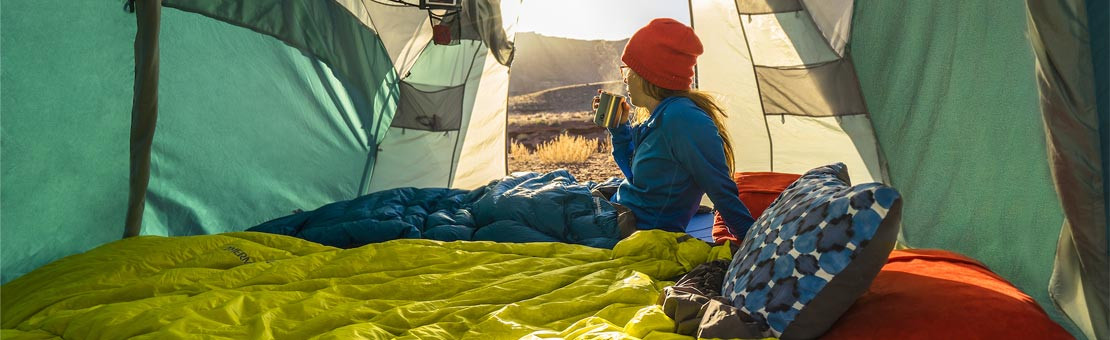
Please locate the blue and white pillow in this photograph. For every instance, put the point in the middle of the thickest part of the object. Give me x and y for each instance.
(813, 252)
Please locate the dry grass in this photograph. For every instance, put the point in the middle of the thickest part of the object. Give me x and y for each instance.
(565, 149)
(518, 151)
(606, 147)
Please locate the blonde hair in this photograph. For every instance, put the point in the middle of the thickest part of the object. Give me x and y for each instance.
(703, 100)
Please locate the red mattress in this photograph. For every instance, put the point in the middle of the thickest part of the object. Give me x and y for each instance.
(757, 191)
(936, 294)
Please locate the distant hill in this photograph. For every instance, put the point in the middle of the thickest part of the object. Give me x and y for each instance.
(543, 62)
(571, 98)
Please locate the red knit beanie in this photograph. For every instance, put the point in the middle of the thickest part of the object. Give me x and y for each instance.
(664, 53)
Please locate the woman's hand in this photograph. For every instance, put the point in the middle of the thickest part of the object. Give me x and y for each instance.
(624, 110)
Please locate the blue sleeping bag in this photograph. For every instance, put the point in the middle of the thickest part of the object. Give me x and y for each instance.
(523, 207)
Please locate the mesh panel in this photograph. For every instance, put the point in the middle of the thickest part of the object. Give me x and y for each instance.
(830, 89)
(767, 6)
(430, 108)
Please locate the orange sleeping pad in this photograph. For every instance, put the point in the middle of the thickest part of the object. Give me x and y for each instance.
(757, 190)
(937, 294)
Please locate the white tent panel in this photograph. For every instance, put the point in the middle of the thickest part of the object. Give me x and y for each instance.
(834, 18)
(803, 143)
(725, 69)
(408, 53)
(446, 65)
(482, 152)
(1069, 292)
(403, 29)
(786, 39)
(421, 158)
(413, 158)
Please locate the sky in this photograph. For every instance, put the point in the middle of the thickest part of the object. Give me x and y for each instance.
(596, 19)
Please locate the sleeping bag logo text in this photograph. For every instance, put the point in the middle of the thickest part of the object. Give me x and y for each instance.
(240, 253)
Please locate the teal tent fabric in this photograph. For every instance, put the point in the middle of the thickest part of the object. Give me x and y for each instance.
(67, 77)
(955, 106)
(251, 129)
(1098, 25)
(325, 30)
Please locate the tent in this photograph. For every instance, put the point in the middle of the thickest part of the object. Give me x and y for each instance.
(990, 117)
(920, 96)
(261, 108)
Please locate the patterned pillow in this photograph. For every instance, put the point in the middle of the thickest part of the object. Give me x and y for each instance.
(813, 252)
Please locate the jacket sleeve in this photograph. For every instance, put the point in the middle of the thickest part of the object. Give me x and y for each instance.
(621, 138)
(698, 148)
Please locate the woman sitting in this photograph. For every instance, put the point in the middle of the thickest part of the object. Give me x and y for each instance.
(673, 148)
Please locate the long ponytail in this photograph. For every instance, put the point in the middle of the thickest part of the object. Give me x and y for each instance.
(703, 100)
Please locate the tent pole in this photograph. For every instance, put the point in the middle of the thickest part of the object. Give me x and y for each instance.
(690, 7)
(144, 109)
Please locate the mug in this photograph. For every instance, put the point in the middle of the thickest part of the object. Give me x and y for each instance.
(608, 110)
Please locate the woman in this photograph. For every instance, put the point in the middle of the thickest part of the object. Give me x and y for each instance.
(675, 148)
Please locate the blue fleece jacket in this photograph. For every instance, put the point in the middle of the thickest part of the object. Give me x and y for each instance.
(668, 162)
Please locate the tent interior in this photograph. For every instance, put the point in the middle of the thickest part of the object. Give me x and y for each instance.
(186, 118)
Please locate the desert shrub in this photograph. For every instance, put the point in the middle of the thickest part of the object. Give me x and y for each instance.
(518, 151)
(566, 149)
